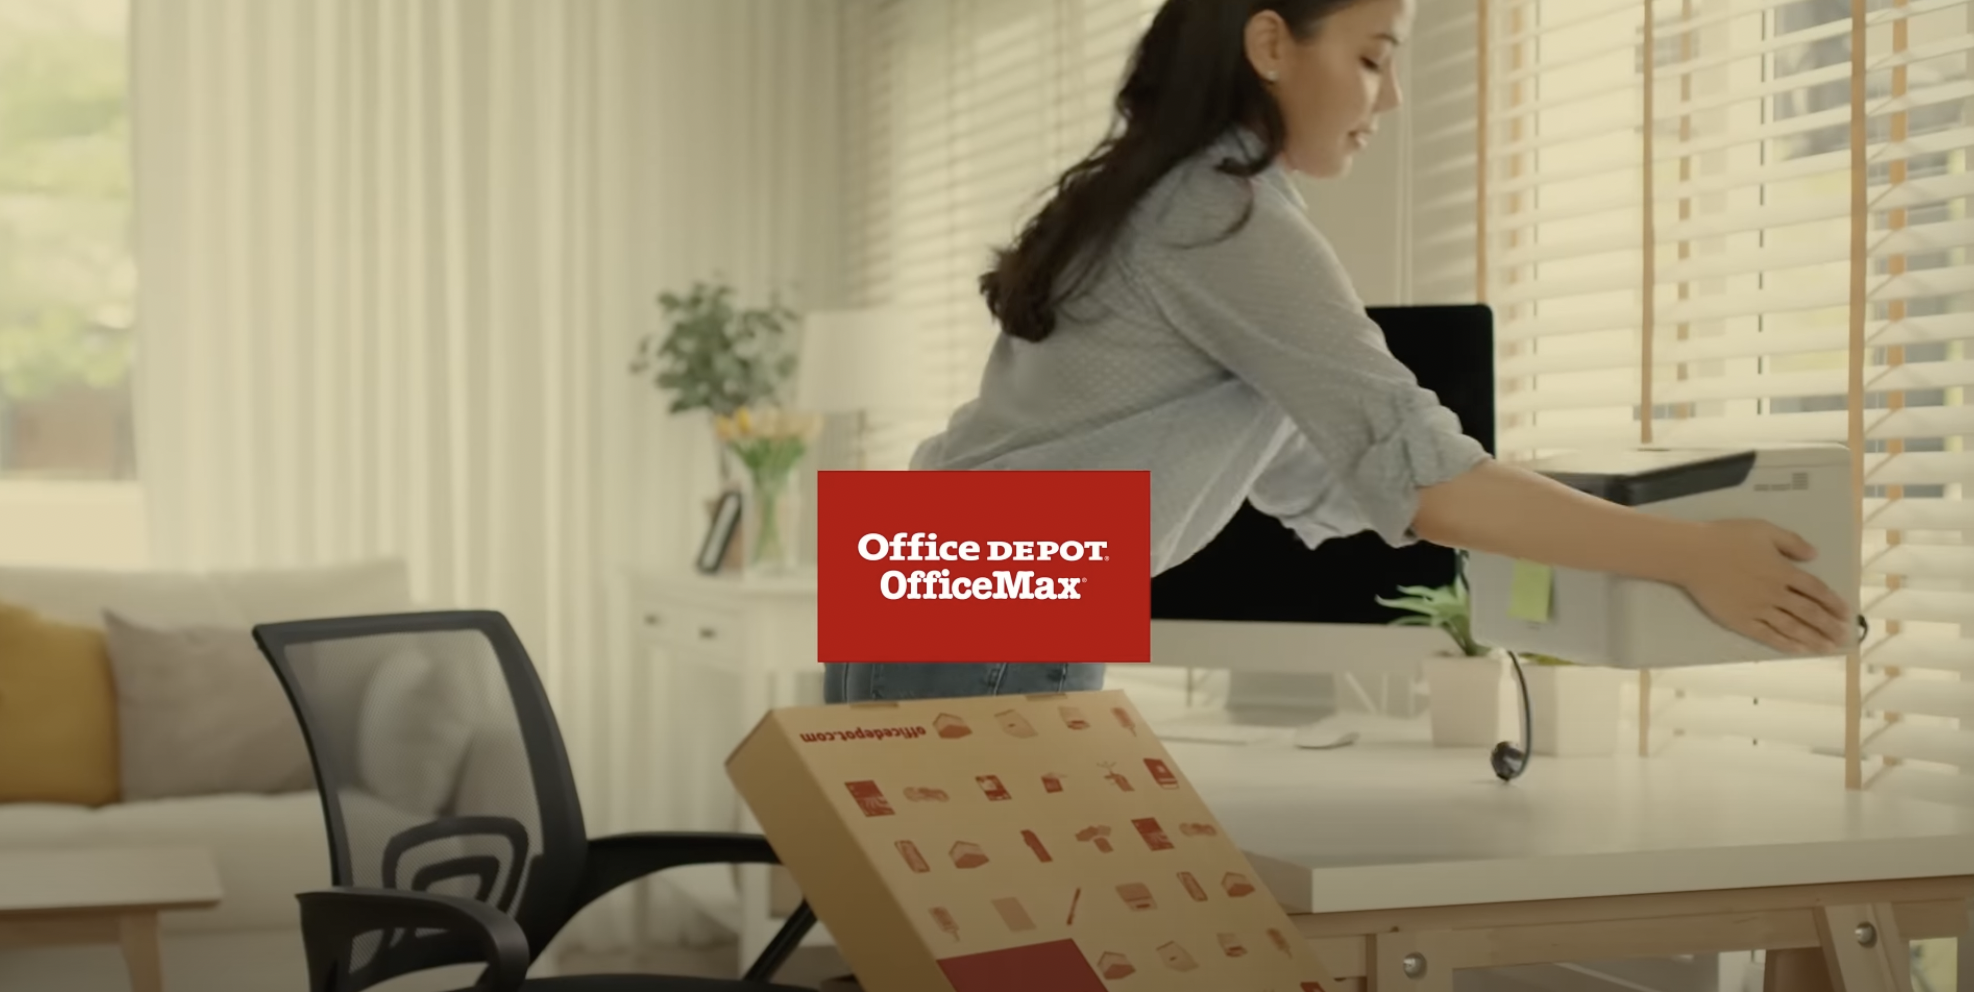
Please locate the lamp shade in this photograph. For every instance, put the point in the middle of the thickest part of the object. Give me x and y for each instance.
(858, 360)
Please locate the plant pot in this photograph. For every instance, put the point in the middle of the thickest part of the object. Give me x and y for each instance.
(1470, 700)
(1575, 709)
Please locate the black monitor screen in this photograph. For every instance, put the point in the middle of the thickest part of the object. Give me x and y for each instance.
(1257, 569)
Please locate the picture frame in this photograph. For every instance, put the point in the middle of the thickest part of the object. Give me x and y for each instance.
(720, 532)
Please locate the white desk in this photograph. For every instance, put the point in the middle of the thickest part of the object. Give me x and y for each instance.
(1392, 848)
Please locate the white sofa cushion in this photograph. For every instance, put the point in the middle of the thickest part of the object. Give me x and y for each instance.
(417, 720)
(219, 599)
(267, 848)
(201, 713)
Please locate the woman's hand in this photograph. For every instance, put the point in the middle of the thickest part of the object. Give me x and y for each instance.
(1743, 574)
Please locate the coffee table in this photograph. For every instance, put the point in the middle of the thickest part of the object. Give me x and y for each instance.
(103, 896)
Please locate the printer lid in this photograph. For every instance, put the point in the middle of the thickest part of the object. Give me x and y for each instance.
(1638, 476)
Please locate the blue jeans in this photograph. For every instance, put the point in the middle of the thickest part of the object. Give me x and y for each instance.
(860, 683)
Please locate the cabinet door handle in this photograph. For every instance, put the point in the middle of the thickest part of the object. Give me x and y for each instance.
(651, 619)
(706, 633)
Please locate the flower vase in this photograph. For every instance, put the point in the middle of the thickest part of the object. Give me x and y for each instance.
(768, 531)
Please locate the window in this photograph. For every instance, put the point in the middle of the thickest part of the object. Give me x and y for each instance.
(65, 266)
(962, 113)
(1674, 256)
(66, 285)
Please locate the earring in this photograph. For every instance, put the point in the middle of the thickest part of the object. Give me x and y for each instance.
(1271, 75)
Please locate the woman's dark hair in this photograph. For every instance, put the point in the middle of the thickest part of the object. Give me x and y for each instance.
(1189, 84)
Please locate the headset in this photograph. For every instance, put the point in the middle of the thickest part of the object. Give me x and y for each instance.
(1510, 761)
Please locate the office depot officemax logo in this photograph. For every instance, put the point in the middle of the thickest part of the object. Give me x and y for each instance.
(986, 566)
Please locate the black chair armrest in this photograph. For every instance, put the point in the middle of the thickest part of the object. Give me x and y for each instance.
(332, 918)
(622, 858)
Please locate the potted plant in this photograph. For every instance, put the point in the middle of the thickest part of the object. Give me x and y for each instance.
(719, 357)
(1574, 709)
(1469, 698)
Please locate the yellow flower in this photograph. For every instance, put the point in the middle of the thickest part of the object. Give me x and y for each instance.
(723, 428)
(744, 422)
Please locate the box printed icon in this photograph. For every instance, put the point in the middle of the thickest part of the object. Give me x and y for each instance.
(944, 917)
(1124, 719)
(1153, 834)
(1175, 957)
(1116, 777)
(924, 794)
(1236, 884)
(950, 727)
(1015, 724)
(1230, 945)
(1052, 782)
(1198, 830)
(913, 858)
(991, 785)
(1072, 717)
(870, 798)
(1115, 966)
(1193, 888)
(1161, 773)
(967, 854)
(1035, 844)
(1100, 834)
(1137, 895)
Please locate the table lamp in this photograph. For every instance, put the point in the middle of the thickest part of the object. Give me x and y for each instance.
(860, 362)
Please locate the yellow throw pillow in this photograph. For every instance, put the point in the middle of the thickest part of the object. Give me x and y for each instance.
(58, 712)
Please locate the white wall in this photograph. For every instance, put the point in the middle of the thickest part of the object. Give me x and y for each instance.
(72, 524)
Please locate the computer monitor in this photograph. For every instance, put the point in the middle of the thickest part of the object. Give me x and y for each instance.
(1256, 599)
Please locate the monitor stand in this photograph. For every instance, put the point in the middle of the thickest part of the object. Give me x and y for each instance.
(1278, 699)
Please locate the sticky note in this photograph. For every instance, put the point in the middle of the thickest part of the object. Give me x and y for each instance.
(1529, 595)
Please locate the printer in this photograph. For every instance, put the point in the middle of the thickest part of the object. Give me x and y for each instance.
(1614, 621)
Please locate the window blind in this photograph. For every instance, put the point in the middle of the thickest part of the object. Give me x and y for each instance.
(1724, 221)
(963, 113)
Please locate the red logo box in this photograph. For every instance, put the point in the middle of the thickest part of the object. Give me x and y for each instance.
(1063, 559)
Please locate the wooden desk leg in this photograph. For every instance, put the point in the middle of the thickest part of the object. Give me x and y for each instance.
(1426, 952)
(1863, 949)
(142, 954)
(1797, 969)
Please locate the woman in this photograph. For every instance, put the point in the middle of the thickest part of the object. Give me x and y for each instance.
(1172, 308)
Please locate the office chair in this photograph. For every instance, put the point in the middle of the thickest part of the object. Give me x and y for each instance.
(455, 833)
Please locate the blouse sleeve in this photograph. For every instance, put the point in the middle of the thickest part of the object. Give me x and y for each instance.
(1272, 304)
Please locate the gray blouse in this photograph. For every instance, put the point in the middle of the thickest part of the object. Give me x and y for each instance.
(1239, 368)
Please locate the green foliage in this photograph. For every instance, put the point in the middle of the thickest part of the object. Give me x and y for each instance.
(1448, 608)
(1545, 660)
(717, 356)
(66, 287)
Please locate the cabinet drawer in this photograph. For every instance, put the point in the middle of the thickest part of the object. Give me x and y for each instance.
(694, 626)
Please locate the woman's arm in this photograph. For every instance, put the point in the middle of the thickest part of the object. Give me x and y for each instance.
(1742, 572)
(1504, 510)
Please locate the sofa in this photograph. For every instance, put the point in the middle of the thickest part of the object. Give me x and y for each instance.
(266, 836)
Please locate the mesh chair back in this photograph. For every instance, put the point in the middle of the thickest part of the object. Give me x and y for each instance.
(440, 769)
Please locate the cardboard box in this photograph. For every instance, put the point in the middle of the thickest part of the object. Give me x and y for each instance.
(1037, 843)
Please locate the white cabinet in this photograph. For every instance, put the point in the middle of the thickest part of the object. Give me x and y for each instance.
(721, 652)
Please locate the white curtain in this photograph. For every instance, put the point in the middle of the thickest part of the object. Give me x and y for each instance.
(394, 259)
